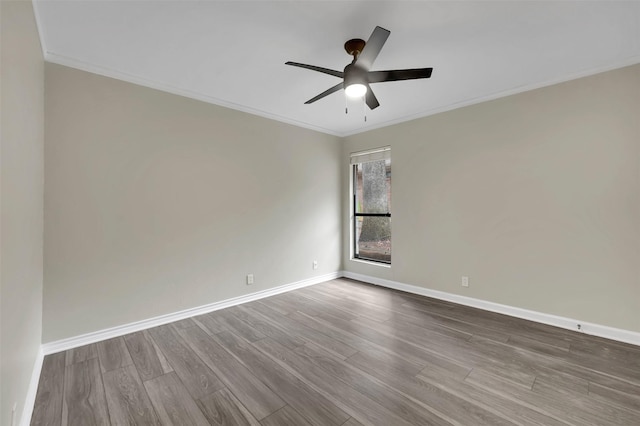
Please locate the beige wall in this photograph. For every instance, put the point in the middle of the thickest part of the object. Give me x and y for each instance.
(22, 123)
(535, 197)
(156, 203)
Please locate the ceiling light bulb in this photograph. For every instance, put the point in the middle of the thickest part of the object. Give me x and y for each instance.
(356, 90)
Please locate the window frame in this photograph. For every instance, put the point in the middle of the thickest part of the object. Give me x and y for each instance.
(353, 181)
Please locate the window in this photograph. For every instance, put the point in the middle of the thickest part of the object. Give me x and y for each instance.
(371, 198)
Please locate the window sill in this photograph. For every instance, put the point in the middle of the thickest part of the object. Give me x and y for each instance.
(370, 262)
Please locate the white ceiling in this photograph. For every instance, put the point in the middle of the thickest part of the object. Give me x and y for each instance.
(232, 53)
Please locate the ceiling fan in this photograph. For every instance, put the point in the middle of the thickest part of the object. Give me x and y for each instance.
(357, 75)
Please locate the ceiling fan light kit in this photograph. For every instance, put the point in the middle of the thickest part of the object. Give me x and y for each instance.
(357, 76)
(355, 90)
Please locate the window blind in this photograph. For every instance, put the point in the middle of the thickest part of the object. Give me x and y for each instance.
(377, 154)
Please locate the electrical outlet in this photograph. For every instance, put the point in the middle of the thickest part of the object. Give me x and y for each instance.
(249, 279)
(465, 281)
(315, 264)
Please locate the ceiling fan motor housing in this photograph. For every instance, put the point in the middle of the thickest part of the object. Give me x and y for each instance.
(354, 74)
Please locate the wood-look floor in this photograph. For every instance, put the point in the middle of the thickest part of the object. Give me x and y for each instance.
(344, 353)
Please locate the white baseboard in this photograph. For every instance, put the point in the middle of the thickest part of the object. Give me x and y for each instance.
(607, 332)
(97, 336)
(29, 402)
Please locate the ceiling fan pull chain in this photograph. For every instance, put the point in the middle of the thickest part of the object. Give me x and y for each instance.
(364, 109)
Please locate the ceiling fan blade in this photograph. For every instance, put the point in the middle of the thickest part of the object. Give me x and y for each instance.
(319, 69)
(372, 48)
(370, 99)
(326, 93)
(395, 75)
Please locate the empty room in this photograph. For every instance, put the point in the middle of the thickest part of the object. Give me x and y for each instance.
(320, 213)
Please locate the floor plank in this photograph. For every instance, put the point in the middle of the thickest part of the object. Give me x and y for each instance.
(173, 403)
(312, 306)
(615, 397)
(286, 416)
(182, 324)
(254, 394)
(364, 403)
(224, 409)
(299, 330)
(237, 326)
(313, 406)
(382, 391)
(556, 402)
(81, 353)
(383, 360)
(211, 323)
(356, 308)
(274, 331)
(127, 398)
(436, 378)
(352, 422)
(144, 355)
(113, 353)
(48, 405)
(84, 398)
(362, 338)
(199, 379)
